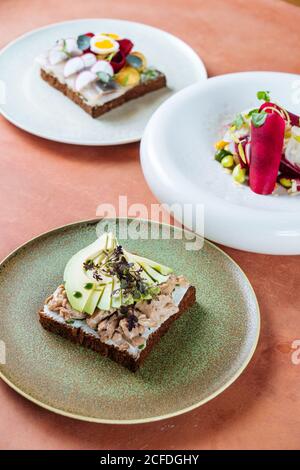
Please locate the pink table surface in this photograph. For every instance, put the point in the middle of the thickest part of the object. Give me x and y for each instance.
(45, 184)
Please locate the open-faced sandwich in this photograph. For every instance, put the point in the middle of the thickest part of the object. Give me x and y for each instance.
(99, 72)
(115, 302)
(262, 147)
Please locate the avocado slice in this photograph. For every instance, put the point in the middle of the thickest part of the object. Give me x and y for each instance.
(162, 269)
(111, 242)
(155, 275)
(116, 300)
(85, 294)
(93, 300)
(75, 276)
(105, 301)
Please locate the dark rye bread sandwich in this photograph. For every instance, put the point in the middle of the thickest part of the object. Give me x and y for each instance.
(99, 72)
(117, 303)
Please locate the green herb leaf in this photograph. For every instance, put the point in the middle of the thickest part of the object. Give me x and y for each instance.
(136, 294)
(154, 290)
(83, 42)
(110, 56)
(124, 283)
(105, 81)
(64, 48)
(103, 77)
(255, 110)
(258, 119)
(221, 154)
(238, 122)
(141, 346)
(128, 299)
(88, 286)
(263, 95)
(134, 61)
(70, 321)
(149, 74)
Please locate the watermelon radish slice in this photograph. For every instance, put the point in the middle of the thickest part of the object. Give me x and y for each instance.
(266, 152)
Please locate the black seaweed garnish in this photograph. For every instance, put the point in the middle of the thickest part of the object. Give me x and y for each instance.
(89, 265)
(132, 284)
(124, 309)
(97, 276)
(131, 321)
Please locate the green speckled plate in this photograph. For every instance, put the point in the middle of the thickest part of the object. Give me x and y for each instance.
(201, 355)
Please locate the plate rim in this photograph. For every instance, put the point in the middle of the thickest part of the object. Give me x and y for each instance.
(178, 412)
(202, 75)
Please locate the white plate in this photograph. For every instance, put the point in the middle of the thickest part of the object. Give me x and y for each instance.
(177, 157)
(34, 106)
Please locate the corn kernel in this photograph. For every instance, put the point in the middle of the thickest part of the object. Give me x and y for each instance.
(220, 144)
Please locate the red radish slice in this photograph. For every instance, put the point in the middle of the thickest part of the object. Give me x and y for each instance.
(266, 152)
(84, 79)
(294, 119)
(74, 65)
(103, 66)
(89, 59)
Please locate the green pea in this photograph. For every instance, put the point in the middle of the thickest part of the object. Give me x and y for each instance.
(285, 182)
(239, 174)
(221, 154)
(227, 162)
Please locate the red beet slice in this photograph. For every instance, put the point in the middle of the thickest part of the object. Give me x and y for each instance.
(119, 59)
(266, 152)
(125, 46)
(287, 168)
(295, 120)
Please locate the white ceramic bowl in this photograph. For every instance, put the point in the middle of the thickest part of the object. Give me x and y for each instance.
(177, 156)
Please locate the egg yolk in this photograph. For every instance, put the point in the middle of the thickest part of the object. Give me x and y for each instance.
(104, 44)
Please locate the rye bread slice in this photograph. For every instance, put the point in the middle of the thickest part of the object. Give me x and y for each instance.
(80, 336)
(96, 111)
